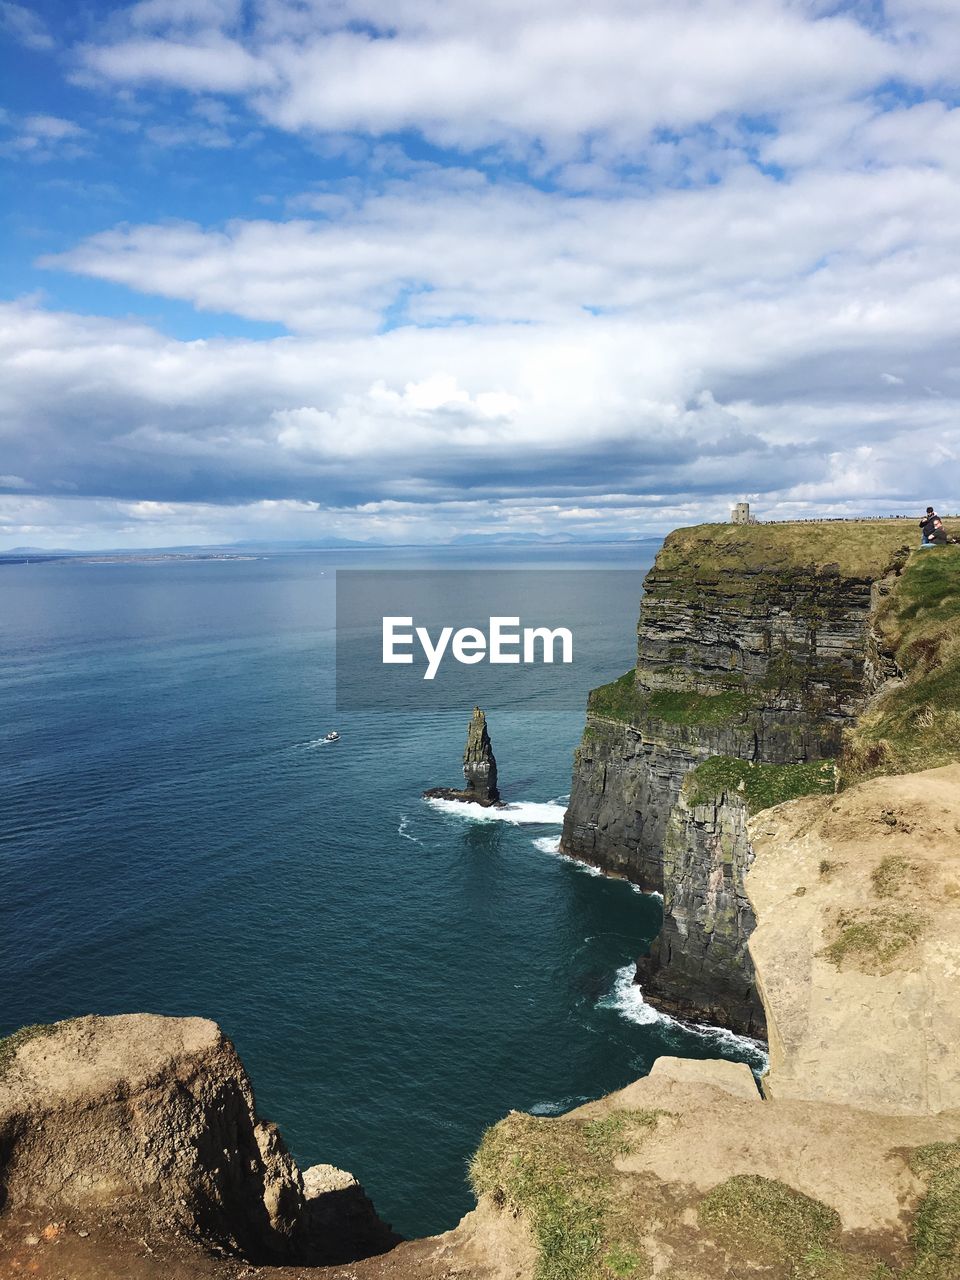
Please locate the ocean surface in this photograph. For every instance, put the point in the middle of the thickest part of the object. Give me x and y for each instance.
(176, 836)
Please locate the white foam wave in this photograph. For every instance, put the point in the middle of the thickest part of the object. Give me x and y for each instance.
(627, 998)
(313, 743)
(730, 1040)
(522, 813)
(551, 844)
(404, 830)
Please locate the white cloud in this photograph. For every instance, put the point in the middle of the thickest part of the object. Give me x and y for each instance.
(649, 321)
(477, 74)
(52, 127)
(211, 65)
(540, 418)
(850, 250)
(26, 27)
(42, 138)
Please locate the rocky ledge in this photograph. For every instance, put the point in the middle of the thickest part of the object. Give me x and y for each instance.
(847, 1165)
(154, 1118)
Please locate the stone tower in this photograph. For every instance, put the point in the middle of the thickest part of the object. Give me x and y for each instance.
(479, 768)
(479, 762)
(741, 513)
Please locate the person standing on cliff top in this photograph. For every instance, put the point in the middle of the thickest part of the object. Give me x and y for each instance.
(932, 531)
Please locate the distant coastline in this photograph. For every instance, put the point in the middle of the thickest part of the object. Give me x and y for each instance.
(116, 557)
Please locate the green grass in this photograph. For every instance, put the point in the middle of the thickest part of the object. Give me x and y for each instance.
(760, 785)
(775, 1227)
(873, 937)
(862, 549)
(767, 1220)
(622, 700)
(936, 1226)
(892, 874)
(560, 1174)
(916, 725)
(618, 700)
(706, 709)
(10, 1044)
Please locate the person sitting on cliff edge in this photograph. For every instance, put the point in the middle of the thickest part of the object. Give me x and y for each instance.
(932, 531)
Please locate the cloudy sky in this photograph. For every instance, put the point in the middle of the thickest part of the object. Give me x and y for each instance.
(405, 269)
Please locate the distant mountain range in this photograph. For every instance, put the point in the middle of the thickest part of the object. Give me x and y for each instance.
(504, 539)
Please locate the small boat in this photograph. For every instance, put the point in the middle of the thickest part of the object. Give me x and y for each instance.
(332, 736)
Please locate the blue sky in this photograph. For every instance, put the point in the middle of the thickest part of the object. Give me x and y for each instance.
(407, 270)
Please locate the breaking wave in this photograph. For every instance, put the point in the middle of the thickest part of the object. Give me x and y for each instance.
(551, 845)
(522, 813)
(627, 998)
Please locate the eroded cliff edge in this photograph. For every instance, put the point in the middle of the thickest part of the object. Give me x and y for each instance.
(145, 1125)
(756, 649)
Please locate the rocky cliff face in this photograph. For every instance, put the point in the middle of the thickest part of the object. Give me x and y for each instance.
(754, 646)
(156, 1116)
(706, 855)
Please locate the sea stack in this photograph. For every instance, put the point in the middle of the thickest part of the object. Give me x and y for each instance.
(479, 768)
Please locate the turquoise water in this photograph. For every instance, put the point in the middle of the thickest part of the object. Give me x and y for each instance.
(175, 837)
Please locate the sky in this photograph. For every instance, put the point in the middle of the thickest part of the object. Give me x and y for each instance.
(406, 270)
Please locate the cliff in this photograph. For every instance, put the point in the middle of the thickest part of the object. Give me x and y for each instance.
(756, 651)
(154, 1118)
(858, 942)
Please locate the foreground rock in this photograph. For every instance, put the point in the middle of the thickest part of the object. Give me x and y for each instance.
(479, 768)
(155, 1117)
(688, 1174)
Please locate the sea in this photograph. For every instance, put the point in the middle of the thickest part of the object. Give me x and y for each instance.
(176, 836)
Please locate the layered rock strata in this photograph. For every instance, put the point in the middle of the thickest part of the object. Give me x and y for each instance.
(479, 768)
(749, 648)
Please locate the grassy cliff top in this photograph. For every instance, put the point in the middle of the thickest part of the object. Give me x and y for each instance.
(860, 548)
(916, 725)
